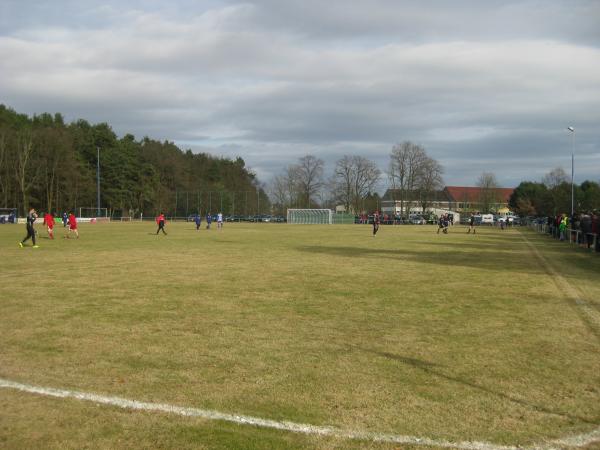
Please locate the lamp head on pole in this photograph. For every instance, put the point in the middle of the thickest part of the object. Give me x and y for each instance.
(571, 129)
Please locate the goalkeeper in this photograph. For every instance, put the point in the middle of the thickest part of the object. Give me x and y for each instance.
(30, 230)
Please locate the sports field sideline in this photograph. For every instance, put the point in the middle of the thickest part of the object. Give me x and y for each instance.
(492, 338)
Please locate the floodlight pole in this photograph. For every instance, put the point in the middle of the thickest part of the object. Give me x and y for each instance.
(98, 178)
(572, 131)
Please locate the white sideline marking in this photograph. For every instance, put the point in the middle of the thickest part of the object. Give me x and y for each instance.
(572, 441)
(563, 284)
(249, 420)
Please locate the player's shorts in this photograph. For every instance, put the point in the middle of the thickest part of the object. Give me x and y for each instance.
(73, 227)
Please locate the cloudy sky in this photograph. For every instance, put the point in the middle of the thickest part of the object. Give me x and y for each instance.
(482, 85)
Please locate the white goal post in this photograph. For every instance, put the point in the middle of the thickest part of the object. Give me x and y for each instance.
(310, 216)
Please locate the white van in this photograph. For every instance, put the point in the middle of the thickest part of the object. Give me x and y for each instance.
(487, 218)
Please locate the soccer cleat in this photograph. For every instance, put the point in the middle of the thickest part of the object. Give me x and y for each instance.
(21, 244)
(36, 246)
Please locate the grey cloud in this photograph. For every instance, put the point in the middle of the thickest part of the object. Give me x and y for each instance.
(481, 84)
(427, 21)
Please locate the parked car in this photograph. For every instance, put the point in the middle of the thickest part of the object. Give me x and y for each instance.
(417, 220)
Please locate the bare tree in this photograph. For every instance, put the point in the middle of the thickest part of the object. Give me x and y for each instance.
(309, 173)
(556, 181)
(278, 192)
(429, 182)
(342, 181)
(488, 186)
(366, 176)
(5, 171)
(25, 174)
(406, 163)
(353, 179)
(555, 178)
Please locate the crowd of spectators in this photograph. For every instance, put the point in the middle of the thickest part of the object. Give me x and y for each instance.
(582, 228)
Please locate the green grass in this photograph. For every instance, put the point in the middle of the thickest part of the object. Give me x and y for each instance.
(455, 337)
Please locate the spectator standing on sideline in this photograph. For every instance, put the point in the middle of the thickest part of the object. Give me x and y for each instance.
(30, 230)
(585, 224)
(596, 229)
(562, 227)
(160, 221)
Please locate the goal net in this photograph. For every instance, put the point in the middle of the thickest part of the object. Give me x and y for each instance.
(8, 215)
(89, 213)
(93, 215)
(310, 216)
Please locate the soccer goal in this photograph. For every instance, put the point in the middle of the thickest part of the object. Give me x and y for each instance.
(8, 215)
(310, 216)
(97, 213)
(93, 215)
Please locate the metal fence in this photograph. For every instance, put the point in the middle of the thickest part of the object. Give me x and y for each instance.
(590, 241)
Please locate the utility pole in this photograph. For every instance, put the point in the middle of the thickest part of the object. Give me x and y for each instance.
(572, 131)
(98, 178)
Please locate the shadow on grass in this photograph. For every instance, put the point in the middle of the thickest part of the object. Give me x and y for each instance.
(435, 370)
(503, 262)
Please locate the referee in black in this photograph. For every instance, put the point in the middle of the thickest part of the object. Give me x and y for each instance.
(30, 230)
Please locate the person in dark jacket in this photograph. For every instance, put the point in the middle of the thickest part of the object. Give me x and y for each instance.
(376, 222)
(31, 217)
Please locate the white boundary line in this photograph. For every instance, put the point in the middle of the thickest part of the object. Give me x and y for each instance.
(249, 420)
(562, 284)
(294, 427)
(592, 315)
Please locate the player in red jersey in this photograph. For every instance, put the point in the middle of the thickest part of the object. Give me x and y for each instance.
(49, 222)
(72, 225)
(160, 221)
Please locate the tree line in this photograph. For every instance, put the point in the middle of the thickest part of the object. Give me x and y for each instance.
(552, 196)
(51, 166)
(411, 172)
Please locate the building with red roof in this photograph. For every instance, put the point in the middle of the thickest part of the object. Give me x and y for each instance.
(451, 198)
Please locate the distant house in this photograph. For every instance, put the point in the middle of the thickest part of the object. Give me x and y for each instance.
(451, 198)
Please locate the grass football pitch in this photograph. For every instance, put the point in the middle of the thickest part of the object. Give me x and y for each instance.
(493, 337)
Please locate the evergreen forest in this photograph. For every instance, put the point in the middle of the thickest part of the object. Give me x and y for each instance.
(52, 166)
